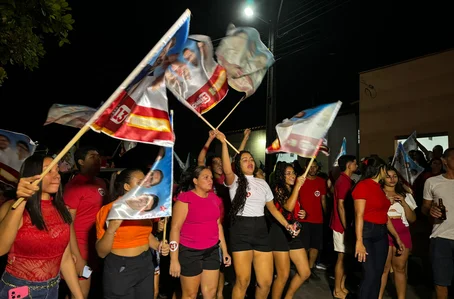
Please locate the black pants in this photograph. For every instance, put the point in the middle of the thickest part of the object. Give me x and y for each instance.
(128, 277)
(375, 239)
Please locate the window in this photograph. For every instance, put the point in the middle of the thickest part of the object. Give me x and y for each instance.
(430, 141)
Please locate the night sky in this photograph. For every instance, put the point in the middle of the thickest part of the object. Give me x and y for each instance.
(111, 38)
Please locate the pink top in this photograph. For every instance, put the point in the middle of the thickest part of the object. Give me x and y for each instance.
(200, 229)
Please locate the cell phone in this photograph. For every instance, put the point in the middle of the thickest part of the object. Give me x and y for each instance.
(86, 273)
(18, 293)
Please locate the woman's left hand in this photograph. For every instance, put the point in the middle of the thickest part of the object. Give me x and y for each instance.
(401, 245)
(227, 259)
(165, 248)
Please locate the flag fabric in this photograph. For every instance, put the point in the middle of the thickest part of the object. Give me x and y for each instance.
(324, 148)
(75, 116)
(303, 133)
(195, 78)
(245, 58)
(405, 165)
(342, 151)
(14, 149)
(410, 144)
(153, 197)
(183, 166)
(140, 113)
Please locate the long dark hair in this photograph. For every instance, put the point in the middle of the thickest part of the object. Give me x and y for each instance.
(186, 182)
(239, 200)
(399, 188)
(118, 180)
(280, 190)
(371, 167)
(32, 166)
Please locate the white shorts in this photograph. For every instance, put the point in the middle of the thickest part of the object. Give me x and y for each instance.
(340, 244)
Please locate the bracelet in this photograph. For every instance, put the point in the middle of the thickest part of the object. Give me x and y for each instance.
(173, 246)
(205, 148)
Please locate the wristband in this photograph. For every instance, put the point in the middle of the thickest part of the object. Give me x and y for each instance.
(173, 246)
(205, 148)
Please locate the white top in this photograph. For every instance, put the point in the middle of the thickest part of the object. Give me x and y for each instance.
(397, 210)
(440, 187)
(259, 193)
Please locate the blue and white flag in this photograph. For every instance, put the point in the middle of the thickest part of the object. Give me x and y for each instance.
(153, 197)
(342, 151)
(405, 165)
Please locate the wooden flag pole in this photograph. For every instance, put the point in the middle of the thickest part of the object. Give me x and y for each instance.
(217, 128)
(154, 51)
(164, 235)
(213, 128)
(313, 157)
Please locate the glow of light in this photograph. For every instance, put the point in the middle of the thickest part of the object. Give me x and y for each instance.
(248, 11)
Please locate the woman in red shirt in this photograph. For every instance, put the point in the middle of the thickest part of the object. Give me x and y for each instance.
(372, 225)
(197, 238)
(286, 247)
(36, 237)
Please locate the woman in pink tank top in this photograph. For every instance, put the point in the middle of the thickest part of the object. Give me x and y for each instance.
(36, 237)
(197, 240)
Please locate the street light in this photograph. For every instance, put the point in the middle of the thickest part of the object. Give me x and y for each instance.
(248, 11)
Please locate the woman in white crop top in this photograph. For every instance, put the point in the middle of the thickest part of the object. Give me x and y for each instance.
(401, 212)
(249, 241)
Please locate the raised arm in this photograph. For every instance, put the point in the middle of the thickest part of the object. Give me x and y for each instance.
(203, 152)
(291, 201)
(246, 133)
(227, 167)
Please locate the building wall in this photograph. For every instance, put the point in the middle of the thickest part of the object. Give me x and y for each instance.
(399, 99)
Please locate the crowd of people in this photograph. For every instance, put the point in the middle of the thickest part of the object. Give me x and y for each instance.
(227, 216)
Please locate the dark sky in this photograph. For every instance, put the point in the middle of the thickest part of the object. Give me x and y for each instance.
(110, 39)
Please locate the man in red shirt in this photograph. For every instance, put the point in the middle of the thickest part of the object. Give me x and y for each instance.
(84, 195)
(312, 200)
(342, 206)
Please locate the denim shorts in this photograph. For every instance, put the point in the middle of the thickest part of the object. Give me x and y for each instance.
(37, 290)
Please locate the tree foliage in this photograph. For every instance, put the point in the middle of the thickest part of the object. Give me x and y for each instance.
(24, 24)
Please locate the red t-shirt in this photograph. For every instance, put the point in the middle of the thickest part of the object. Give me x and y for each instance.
(200, 229)
(86, 196)
(341, 191)
(377, 204)
(309, 198)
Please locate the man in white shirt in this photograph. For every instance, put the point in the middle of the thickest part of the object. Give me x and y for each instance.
(442, 237)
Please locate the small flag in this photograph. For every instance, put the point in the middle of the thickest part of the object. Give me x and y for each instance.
(245, 58)
(126, 146)
(195, 78)
(303, 133)
(153, 197)
(342, 151)
(75, 116)
(405, 165)
(14, 149)
(410, 144)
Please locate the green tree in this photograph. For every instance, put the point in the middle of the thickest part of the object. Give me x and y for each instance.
(24, 24)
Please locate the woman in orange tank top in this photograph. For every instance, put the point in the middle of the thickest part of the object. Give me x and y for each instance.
(125, 246)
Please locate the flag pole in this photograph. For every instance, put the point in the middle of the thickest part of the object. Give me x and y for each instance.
(155, 50)
(313, 158)
(213, 128)
(217, 128)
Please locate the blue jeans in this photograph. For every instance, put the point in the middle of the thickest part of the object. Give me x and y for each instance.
(37, 290)
(375, 239)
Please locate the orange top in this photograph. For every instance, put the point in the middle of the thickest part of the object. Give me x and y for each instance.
(130, 234)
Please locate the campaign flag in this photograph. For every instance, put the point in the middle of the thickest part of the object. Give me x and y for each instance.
(405, 165)
(302, 133)
(14, 149)
(324, 148)
(126, 146)
(183, 166)
(410, 144)
(140, 112)
(153, 197)
(245, 58)
(75, 116)
(195, 78)
(342, 152)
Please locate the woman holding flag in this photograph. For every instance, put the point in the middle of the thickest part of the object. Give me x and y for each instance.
(125, 245)
(249, 239)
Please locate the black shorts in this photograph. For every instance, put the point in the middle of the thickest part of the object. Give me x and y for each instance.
(281, 240)
(194, 261)
(249, 233)
(312, 235)
(442, 256)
